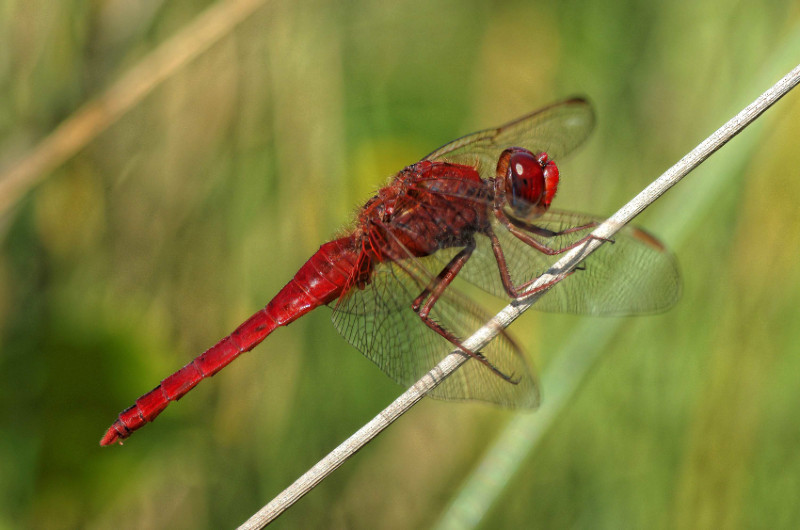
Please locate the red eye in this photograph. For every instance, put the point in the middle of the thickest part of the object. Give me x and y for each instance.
(525, 179)
(550, 178)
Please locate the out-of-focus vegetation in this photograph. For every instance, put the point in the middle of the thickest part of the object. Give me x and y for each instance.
(198, 204)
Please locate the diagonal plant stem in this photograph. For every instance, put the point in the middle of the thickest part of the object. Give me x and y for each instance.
(478, 340)
(97, 115)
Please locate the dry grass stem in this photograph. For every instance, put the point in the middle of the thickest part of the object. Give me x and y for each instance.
(95, 116)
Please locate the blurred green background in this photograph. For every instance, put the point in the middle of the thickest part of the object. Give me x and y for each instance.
(193, 208)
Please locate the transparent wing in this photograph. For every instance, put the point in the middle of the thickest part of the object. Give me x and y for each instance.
(379, 321)
(557, 130)
(636, 274)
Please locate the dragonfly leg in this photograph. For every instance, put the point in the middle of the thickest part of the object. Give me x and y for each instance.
(437, 285)
(544, 232)
(445, 278)
(516, 291)
(514, 228)
(432, 293)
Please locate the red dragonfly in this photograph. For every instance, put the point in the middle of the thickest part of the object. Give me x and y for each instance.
(476, 209)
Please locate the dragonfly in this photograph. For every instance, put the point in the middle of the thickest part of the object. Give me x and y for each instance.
(476, 210)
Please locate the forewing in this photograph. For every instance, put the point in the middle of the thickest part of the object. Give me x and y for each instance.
(379, 321)
(634, 274)
(556, 130)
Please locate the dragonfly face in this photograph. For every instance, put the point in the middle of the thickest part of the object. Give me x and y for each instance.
(528, 182)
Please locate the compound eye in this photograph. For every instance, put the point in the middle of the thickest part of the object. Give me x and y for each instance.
(526, 180)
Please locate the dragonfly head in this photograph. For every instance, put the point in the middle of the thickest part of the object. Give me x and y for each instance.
(528, 182)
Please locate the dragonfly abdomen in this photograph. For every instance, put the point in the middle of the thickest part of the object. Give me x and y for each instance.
(318, 282)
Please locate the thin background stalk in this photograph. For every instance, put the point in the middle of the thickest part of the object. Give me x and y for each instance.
(570, 260)
(98, 114)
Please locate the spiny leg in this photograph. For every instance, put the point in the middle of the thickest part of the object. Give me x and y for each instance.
(434, 291)
(513, 227)
(515, 291)
(544, 232)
